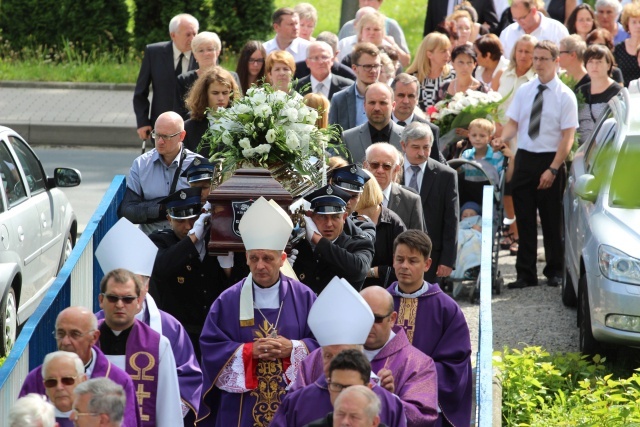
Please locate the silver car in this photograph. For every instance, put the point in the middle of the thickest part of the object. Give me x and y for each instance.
(37, 231)
(602, 229)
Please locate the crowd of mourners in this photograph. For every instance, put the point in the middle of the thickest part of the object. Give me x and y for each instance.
(351, 325)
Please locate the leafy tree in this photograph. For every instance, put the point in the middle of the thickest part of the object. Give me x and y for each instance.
(238, 21)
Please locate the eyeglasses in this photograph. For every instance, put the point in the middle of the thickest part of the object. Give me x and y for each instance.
(113, 299)
(375, 165)
(541, 59)
(337, 387)
(74, 335)
(370, 67)
(380, 319)
(155, 135)
(53, 382)
(522, 17)
(320, 58)
(78, 414)
(256, 61)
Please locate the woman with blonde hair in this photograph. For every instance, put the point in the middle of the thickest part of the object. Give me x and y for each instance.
(279, 69)
(321, 104)
(431, 67)
(388, 226)
(215, 88)
(464, 26)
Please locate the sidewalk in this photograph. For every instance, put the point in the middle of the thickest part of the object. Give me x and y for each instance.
(70, 113)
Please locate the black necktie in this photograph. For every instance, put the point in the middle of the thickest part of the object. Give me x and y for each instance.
(536, 113)
(179, 66)
(402, 123)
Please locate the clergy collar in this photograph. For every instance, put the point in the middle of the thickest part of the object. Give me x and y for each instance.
(416, 294)
(258, 287)
(88, 368)
(371, 354)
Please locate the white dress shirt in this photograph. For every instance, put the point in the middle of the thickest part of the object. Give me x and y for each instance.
(297, 48)
(185, 59)
(408, 173)
(326, 85)
(549, 29)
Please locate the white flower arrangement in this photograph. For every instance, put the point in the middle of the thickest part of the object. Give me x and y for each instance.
(460, 109)
(267, 127)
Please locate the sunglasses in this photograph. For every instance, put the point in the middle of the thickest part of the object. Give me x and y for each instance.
(376, 165)
(380, 319)
(113, 299)
(53, 382)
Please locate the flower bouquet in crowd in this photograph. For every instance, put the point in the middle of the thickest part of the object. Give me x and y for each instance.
(459, 110)
(270, 129)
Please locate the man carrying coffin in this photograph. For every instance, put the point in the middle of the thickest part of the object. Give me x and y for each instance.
(256, 333)
(138, 256)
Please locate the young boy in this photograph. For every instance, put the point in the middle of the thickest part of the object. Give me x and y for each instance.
(480, 134)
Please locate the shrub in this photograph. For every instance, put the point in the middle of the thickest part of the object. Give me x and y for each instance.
(238, 21)
(33, 23)
(539, 389)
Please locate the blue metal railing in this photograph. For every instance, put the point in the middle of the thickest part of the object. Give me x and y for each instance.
(73, 286)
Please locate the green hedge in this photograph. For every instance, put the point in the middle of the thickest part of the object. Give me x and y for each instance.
(238, 21)
(95, 24)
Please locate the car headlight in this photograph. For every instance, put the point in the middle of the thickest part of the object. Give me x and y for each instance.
(618, 266)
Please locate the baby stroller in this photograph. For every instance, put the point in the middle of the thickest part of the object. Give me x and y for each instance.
(472, 177)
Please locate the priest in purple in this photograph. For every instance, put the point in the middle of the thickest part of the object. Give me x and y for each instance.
(433, 323)
(77, 331)
(342, 360)
(126, 246)
(256, 333)
(62, 371)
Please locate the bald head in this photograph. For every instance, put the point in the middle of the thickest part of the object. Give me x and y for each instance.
(378, 296)
(77, 331)
(363, 11)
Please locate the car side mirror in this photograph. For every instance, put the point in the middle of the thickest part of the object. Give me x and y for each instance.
(66, 177)
(587, 187)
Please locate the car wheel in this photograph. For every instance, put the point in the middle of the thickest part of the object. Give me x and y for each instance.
(66, 250)
(8, 321)
(568, 293)
(588, 344)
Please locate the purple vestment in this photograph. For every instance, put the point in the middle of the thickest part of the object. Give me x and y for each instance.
(64, 422)
(312, 402)
(33, 383)
(189, 373)
(445, 337)
(222, 336)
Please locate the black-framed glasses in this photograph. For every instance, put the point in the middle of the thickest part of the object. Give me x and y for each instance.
(370, 67)
(337, 387)
(113, 299)
(53, 382)
(74, 335)
(379, 319)
(155, 135)
(256, 61)
(376, 165)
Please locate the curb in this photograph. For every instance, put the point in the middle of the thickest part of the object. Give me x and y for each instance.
(66, 134)
(68, 85)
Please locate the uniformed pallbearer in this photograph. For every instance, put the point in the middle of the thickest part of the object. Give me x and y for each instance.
(328, 251)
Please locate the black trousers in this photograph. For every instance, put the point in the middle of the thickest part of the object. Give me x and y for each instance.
(526, 200)
(430, 275)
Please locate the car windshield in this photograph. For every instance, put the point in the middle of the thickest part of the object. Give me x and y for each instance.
(625, 191)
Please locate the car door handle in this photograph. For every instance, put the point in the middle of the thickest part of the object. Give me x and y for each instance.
(575, 203)
(20, 233)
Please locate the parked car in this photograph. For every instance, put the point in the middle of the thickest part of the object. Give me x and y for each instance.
(602, 229)
(38, 230)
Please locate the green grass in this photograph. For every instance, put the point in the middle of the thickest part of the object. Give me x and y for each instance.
(78, 66)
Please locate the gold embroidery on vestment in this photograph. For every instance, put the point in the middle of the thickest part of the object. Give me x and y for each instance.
(407, 316)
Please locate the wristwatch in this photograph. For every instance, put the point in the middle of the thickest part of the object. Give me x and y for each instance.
(554, 171)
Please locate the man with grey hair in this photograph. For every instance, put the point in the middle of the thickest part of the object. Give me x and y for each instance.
(337, 67)
(357, 402)
(437, 185)
(161, 65)
(76, 330)
(406, 90)
(98, 402)
(383, 161)
(321, 80)
(378, 105)
(573, 48)
(62, 372)
(32, 410)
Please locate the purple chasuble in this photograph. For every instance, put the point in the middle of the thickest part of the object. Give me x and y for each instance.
(312, 402)
(414, 377)
(64, 422)
(189, 373)
(222, 336)
(142, 361)
(102, 367)
(311, 369)
(445, 338)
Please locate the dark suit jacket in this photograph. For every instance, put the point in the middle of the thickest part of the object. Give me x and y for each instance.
(358, 139)
(158, 71)
(408, 205)
(337, 84)
(343, 108)
(435, 154)
(437, 12)
(302, 70)
(439, 195)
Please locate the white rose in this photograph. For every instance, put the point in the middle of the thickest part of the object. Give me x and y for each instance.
(258, 97)
(292, 140)
(312, 117)
(263, 110)
(474, 101)
(249, 152)
(245, 143)
(263, 149)
(290, 113)
(227, 138)
(240, 108)
(271, 136)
